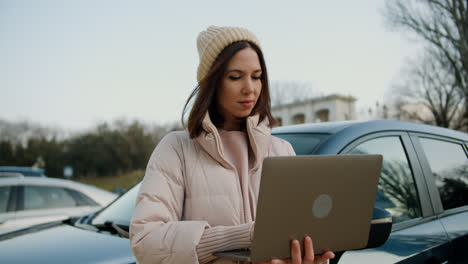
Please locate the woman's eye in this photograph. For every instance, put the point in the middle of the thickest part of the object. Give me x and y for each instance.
(234, 78)
(256, 77)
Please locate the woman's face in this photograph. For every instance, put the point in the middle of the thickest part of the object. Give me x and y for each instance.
(240, 87)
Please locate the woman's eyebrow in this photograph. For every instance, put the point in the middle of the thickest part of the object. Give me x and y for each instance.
(239, 71)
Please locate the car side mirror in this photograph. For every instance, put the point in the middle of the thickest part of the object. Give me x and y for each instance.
(381, 227)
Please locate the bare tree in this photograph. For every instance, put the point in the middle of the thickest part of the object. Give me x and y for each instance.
(427, 84)
(287, 92)
(443, 25)
(18, 132)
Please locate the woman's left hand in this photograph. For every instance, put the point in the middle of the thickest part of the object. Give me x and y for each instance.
(309, 257)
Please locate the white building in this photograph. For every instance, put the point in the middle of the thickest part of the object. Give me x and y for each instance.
(320, 109)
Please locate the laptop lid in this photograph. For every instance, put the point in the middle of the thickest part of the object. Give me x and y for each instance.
(327, 197)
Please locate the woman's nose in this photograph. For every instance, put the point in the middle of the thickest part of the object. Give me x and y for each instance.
(248, 86)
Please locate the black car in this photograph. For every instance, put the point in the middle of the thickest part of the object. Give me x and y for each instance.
(424, 184)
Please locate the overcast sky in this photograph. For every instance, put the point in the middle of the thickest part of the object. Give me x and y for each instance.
(73, 64)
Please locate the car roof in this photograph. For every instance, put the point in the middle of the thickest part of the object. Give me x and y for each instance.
(44, 181)
(344, 132)
(40, 181)
(10, 174)
(370, 126)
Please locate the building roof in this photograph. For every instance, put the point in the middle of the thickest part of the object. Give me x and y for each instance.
(317, 99)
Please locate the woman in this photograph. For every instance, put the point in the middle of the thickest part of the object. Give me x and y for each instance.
(200, 189)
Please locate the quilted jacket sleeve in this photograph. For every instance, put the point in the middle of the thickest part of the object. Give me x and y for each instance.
(282, 147)
(156, 233)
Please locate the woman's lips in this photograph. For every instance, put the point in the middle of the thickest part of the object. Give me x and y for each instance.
(247, 103)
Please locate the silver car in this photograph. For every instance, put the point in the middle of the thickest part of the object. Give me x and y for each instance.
(26, 201)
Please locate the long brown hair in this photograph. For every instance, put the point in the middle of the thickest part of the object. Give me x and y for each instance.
(206, 90)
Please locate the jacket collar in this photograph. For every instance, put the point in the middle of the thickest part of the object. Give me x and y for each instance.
(259, 138)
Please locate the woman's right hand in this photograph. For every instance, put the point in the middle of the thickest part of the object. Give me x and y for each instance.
(309, 257)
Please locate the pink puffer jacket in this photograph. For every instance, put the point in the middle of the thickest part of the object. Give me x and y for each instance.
(189, 186)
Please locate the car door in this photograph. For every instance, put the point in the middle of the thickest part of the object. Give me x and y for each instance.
(445, 165)
(417, 234)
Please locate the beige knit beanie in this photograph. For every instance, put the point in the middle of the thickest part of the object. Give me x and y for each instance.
(213, 40)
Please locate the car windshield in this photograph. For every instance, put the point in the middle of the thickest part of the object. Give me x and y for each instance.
(304, 144)
(120, 211)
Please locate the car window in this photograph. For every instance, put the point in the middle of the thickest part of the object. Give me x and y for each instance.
(397, 191)
(46, 197)
(4, 198)
(449, 165)
(303, 144)
(81, 199)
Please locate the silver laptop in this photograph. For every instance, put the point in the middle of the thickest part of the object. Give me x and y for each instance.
(327, 197)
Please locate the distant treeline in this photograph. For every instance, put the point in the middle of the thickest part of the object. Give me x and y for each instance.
(105, 151)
